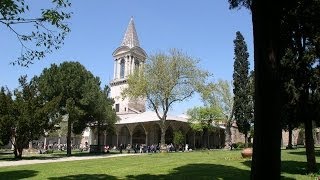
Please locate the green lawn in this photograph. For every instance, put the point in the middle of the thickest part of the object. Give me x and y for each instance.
(218, 164)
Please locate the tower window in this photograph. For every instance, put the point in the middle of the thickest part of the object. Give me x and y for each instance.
(122, 67)
(117, 107)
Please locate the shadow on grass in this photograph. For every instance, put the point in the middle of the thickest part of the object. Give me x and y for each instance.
(56, 155)
(199, 171)
(295, 167)
(303, 153)
(19, 174)
(290, 167)
(85, 177)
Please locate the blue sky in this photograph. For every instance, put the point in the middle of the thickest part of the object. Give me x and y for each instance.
(204, 29)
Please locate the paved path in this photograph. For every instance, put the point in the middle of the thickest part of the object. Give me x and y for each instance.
(36, 161)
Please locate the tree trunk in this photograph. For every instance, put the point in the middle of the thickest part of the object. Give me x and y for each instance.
(228, 143)
(267, 127)
(311, 158)
(290, 137)
(69, 138)
(246, 140)
(163, 136)
(18, 152)
(163, 140)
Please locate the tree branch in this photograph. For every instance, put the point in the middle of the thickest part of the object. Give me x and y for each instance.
(181, 99)
(154, 107)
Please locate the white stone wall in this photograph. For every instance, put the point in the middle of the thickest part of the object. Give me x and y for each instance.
(116, 95)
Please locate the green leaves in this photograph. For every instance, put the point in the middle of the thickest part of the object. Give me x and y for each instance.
(167, 78)
(80, 95)
(243, 109)
(6, 115)
(48, 30)
(202, 117)
(26, 116)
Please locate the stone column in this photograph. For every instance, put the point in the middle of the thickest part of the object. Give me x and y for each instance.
(105, 137)
(132, 64)
(131, 139)
(115, 69)
(126, 66)
(118, 68)
(59, 141)
(185, 139)
(30, 145)
(147, 138)
(117, 140)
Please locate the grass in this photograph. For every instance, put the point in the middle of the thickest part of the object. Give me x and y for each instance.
(217, 164)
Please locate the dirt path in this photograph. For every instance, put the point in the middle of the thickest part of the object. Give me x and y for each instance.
(35, 161)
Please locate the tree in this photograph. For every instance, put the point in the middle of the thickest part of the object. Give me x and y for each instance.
(32, 116)
(47, 30)
(78, 91)
(178, 138)
(220, 96)
(104, 115)
(167, 78)
(268, 51)
(6, 115)
(204, 117)
(289, 96)
(301, 25)
(242, 106)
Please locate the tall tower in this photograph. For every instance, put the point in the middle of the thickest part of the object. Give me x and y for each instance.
(127, 57)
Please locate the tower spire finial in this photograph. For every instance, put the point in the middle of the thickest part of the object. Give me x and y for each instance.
(130, 38)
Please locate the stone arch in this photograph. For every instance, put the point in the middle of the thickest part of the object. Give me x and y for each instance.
(190, 139)
(198, 139)
(139, 135)
(169, 135)
(124, 136)
(154, 134)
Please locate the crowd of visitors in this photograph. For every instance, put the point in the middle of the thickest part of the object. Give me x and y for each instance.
(143, 148)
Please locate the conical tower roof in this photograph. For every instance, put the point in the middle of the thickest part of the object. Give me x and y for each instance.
(130, 38)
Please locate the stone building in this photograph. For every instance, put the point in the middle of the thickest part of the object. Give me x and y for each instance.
(136, 125)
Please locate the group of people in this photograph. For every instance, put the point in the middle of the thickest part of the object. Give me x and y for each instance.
(142, 148)
(170, 147)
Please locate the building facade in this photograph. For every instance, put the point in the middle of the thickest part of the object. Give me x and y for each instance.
(136, 125)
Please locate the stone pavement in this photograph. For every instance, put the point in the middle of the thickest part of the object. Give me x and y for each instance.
(36, 161)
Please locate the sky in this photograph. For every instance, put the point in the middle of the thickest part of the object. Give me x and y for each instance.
(203, 29)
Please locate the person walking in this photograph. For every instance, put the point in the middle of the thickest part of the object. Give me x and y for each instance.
(120, 148)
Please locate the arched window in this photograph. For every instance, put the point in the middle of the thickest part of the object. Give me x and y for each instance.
(136, 64)
(122, 68)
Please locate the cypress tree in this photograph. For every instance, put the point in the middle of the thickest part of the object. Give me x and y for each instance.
(241, 90)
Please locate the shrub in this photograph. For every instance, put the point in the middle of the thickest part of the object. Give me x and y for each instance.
(238, 145)
(178, 138)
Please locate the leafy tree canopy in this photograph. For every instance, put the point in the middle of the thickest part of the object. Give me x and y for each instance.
(77, 90)
(28, 117)
(45, 31)
(243, 109)
(6, 115)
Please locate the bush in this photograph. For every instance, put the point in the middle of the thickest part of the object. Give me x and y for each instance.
(238, 145)
(178, 138)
